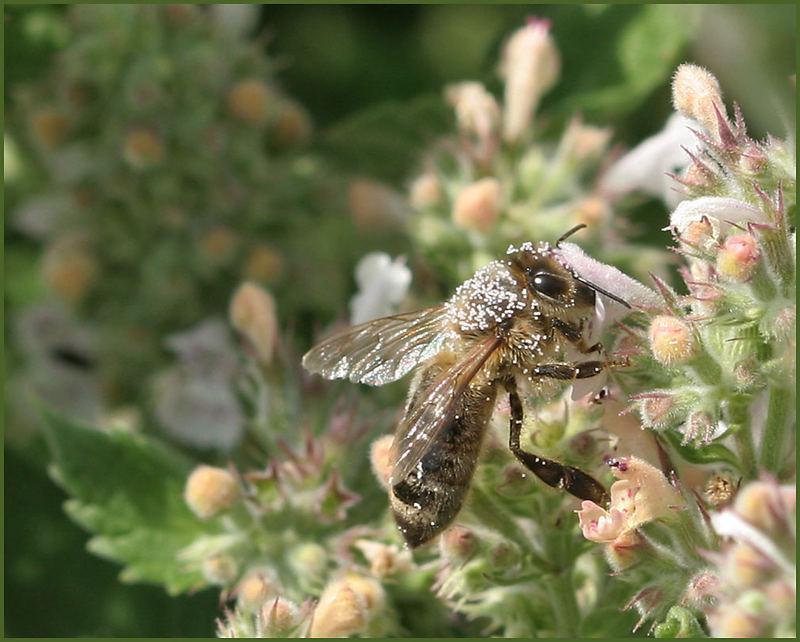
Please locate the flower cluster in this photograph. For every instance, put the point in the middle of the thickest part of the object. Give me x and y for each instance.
(499, 179)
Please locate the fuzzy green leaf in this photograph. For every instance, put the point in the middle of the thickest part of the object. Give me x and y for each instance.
(386, 141)
(710, 454)
(679, 623)
(127, 491)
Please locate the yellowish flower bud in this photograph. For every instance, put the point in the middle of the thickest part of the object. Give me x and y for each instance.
(380, 458)
(477, 111)
(68, 269)
(373, 204)
(345, 606)
(730, 621)
(695, 92)
(738, 257)
(478, 205)
(255, 590)
(143, 148)
(425, 192)
(248, 100)
(746, 567)
(530, 66)
(384, 560)
(280, 616)
(218, 244)
(671, 340)
(760, 503)
(252, 313)
(292, 124)
(50, 126)
(263, 264)
(219, 570)
(583, 142)
(210, 490)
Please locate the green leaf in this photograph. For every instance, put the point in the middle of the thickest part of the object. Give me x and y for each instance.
(679, 623)
(641, 50)
(385, 141)
(127, 491)
(710, 454)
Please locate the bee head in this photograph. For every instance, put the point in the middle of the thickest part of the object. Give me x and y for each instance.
(548, 280)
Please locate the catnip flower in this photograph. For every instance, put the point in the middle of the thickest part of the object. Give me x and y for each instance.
(382, 285)
(641, 494)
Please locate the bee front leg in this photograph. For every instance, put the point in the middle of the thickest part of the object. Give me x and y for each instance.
(574, 335)
(552, 473)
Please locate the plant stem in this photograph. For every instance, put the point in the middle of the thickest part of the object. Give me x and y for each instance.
(774, 430)
(739, 419)
(562, 599)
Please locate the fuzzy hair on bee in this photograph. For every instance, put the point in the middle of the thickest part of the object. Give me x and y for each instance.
(506, 328)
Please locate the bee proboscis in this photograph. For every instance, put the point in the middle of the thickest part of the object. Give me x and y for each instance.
(503, 329)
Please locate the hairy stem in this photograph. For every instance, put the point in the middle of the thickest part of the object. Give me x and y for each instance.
(772, 443)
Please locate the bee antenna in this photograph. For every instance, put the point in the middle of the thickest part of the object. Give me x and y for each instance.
(569, 233)
(602, 291)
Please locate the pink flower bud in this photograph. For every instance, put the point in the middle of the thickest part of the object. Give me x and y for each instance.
(738, 257)
(425, 191)
(380, 458)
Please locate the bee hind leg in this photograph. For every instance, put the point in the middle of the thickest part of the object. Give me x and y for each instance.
(552, 473)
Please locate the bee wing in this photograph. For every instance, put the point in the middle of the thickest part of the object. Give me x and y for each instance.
(379, 351)
(430, 414)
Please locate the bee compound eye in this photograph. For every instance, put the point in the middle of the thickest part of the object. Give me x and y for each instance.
(549, 285)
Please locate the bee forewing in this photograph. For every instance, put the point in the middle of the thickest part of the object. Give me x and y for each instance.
(379, 351)
(423, 421)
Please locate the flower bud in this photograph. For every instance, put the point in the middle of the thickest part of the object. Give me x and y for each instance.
(731, 621)
(381, 460)
(530, 66)
(248, 100)
(69, 270)
(218, 244)
(457, 544)
(695, 92)
(671, 340)
(252, 313)
(143, 148)
(699, 234)
(738, 257)
(373, 204)
(425, 191)
(583, 142)
(759, 502)
(292, 125)
(746, 567)
(478, 205)
(477, 112)
(254, 590)
(50, 126)
(210, 490)
(279, 617)
(263, 264)
(219, 569)
(345, 606)
(384, 560)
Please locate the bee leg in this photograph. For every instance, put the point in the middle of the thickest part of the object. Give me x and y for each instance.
(574, 335)
(552, 473)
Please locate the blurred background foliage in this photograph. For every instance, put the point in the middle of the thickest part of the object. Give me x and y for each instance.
(371, 80)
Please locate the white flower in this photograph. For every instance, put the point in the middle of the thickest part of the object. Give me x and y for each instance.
(720, 212)
(236, 19)
(646, 166)
(382, 284)
(205, 350)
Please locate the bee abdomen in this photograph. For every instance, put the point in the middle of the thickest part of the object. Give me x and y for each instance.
(429, 498)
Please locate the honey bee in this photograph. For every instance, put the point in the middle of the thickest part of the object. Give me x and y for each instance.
(503, 330)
